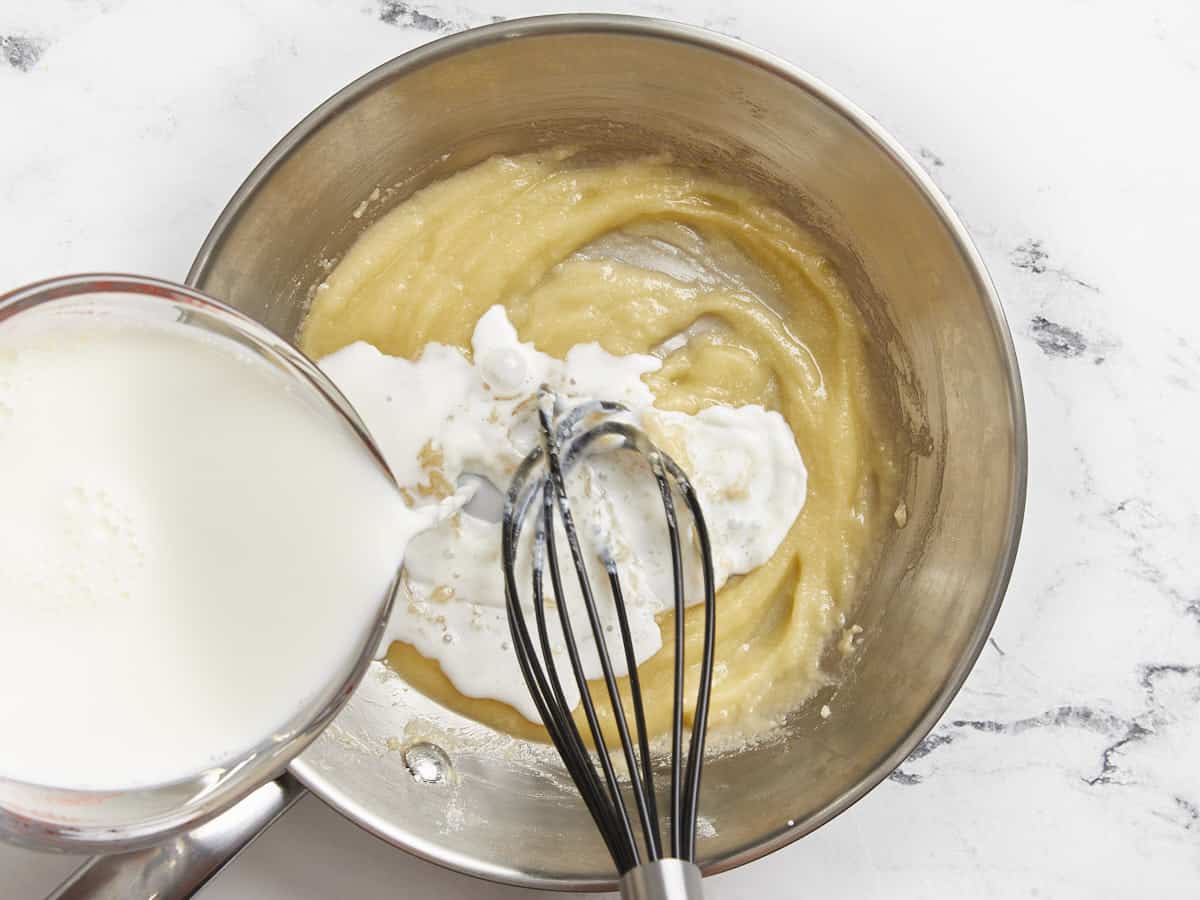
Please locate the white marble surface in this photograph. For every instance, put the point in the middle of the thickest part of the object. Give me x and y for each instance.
(1066, 133)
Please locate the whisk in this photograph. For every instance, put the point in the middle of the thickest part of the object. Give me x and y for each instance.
(650, 869)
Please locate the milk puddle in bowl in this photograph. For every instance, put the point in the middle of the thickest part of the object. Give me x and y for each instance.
(445, 420)
(191, 551)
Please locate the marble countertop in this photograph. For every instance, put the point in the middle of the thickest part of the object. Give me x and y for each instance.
(1065, 133)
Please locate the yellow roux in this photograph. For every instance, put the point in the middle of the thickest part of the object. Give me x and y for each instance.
(507, 231)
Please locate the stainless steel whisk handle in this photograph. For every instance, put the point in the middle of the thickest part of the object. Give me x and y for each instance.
(666, 879)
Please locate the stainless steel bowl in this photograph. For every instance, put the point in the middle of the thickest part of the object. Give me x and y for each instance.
(630, 85)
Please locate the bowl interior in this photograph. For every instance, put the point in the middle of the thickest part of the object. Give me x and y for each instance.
(620, 85)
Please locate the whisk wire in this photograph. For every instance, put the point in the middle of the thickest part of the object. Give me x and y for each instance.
(558, 483)
(653, 835)
(685, 784)
(704, 690)
(616, 798)
(542, 476)
(578, 749)
(547, 693)
(678, 822)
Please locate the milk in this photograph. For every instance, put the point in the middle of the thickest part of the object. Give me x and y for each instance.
(192, 550)
(477, 415)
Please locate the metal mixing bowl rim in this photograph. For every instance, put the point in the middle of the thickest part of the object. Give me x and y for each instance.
(638, 26)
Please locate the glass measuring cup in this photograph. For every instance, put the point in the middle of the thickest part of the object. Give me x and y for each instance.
(112, 821)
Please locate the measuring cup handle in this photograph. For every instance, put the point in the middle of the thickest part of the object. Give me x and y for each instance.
(178, 868)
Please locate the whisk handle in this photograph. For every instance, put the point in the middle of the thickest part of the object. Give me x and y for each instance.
(667, 879)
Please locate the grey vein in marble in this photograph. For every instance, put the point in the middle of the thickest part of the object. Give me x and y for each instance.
(931, 159)
(1136, 520)
(1059, 717)
(1125, 733)
(1185, 365)
(1055, 339)
(1061, 294)
(1191, 811)
(20, 51)
(1032, 257)
(395, 12)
